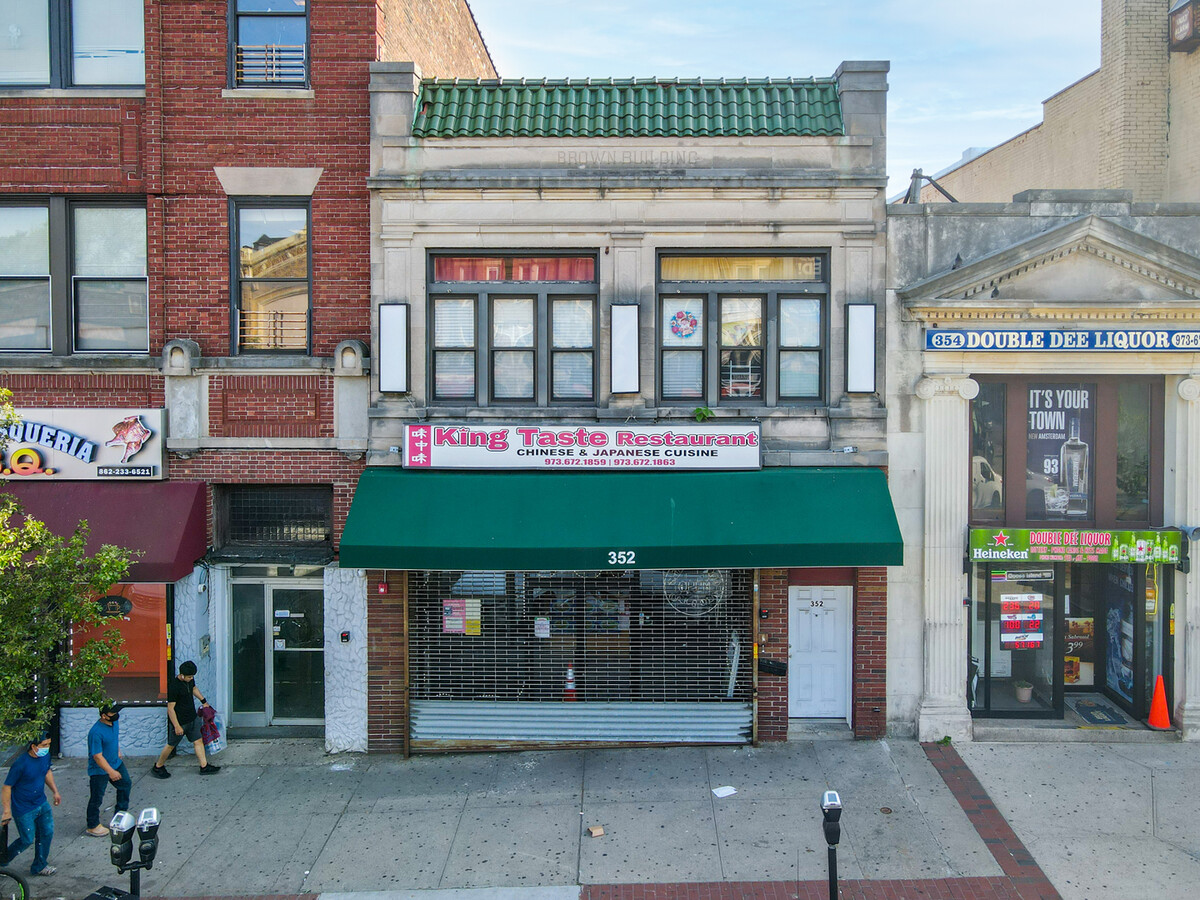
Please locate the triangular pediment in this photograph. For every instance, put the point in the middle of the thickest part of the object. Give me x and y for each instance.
(1089, 268)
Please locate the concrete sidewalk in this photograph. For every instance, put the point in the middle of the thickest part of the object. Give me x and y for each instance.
(285, 818)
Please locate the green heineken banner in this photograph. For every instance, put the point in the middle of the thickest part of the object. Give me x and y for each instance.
(1073, 545)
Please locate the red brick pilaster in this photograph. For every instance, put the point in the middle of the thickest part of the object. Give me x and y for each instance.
(870, 653)
(387, 653)
(773, 644)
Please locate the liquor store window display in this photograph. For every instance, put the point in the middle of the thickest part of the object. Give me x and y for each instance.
(1086, 450)
(1070, 568)
(1060, 611)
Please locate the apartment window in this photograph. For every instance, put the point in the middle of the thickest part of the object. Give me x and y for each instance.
(513, 329)
(73, 276)
(72, 43)
(271, 276)
(742, 327)
(269, 43)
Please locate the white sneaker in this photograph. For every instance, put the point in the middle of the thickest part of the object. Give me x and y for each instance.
(49, 870)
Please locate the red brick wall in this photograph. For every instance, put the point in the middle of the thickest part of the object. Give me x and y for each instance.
(71, 144)
(166, 145)
(201, 129)
(387, 649)
(270, 405)
(820, 577)
(869, 646)
(870, 653)
(440, 36)
(773, 644)
(273, 467)
(84, 390)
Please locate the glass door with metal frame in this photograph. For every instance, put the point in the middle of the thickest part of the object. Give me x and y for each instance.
(278, 658)
(1014, 642)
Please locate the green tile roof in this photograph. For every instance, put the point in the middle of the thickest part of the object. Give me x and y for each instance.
(633, 107)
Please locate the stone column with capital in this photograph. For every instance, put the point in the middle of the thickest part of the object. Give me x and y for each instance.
(943, 710)
(1189, 710)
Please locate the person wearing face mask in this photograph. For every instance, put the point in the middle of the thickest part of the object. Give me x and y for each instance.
(24, 802)
(182, 721)
(106, 764)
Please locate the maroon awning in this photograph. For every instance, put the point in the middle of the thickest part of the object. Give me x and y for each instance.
(166, 520)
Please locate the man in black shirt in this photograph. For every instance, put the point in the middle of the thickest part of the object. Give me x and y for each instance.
(181, 712)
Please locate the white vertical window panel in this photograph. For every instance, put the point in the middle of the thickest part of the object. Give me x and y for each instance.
(393, 347)
(454, 322)
(860, 348)
(572, 324)
(623, 340)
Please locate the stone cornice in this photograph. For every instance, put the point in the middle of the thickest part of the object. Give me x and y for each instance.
(973, 291)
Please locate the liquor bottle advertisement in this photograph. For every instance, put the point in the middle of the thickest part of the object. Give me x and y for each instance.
(1061, 427)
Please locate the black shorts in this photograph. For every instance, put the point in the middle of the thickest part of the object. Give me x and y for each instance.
(191, 731)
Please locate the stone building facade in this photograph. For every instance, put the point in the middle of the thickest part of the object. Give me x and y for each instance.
(1044, 459)
(683, 250)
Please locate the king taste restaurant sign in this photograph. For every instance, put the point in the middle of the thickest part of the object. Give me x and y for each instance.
(562, 447)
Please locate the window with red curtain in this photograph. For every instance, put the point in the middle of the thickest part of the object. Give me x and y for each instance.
(514, 268)
(139, 612)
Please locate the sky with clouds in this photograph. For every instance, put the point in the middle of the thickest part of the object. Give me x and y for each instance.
(965, 73)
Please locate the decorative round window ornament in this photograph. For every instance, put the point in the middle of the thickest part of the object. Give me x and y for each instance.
(684, 324)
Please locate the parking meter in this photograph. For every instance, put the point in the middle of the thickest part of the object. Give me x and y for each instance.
(147, 828)
(121, 828)
(831, 810)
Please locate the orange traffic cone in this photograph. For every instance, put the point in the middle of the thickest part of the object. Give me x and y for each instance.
(569, 690)
(1158, 707)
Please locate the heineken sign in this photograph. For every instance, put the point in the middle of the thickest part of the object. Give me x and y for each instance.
(1073, 545)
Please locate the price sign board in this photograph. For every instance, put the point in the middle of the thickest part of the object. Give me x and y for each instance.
(1021, 621)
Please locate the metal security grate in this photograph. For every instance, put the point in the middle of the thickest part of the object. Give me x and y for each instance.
(629, 637)
(277, 514)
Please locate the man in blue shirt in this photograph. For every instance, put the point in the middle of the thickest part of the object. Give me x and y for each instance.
(106, 764)
(24, 802)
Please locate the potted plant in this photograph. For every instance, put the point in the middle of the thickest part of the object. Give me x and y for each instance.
(1024, 690)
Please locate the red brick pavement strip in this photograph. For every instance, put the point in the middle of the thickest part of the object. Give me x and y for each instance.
(998, 888)
(1015, 860)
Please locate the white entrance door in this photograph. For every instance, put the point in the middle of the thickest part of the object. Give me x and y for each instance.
(819, 652)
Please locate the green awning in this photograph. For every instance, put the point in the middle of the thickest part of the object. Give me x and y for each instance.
(771, 518)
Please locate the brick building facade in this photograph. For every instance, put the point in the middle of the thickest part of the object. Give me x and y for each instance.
(184, 208)
(1130, 125)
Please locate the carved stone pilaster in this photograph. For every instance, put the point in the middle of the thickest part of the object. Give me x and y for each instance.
(947, 503)
(1189, 710)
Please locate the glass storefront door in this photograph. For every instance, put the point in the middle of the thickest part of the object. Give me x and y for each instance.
(1038, 633)
(1014, 642)
(278, 671)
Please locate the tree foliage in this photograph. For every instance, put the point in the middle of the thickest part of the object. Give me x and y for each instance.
(49, 584)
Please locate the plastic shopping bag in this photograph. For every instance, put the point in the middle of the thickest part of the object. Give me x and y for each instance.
(216, 744)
